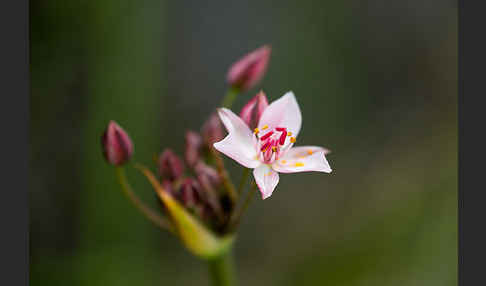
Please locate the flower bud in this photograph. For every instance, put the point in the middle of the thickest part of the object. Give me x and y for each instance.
(194, 198)
(253, 110)
(249, 70)
(170, 166)
(201, 169)
(189, 193)
(210, 196)
(116, 144)
(212, 130)
(193, 144)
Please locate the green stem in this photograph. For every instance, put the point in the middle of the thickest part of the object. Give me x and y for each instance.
(244, 178)
(222, 270)
(230, 97)
(236, 217)
(144, 209)
(248, 199)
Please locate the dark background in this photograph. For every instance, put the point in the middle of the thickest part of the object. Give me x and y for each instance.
(377, 84)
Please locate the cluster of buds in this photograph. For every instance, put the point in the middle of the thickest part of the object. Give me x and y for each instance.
(190, 190)
(194, 182)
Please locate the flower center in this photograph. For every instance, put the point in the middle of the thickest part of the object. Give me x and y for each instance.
(271, 144)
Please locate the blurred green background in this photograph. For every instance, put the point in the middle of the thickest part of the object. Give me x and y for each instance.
(377, 84)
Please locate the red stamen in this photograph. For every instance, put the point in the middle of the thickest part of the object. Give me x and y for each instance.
(281, 129)
(282, 137)
(267, 155)
(266, 135)
(265, 146)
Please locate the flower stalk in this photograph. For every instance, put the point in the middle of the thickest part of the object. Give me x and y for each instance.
(225, 179)
(221, 270)
(230, 97)
(144, 209)
(238, 214)
(244, 178)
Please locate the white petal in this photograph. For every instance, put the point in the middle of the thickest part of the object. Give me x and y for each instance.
(283, 112)
(303, 159)
(238, 144)
(294, 152)
(266, 179)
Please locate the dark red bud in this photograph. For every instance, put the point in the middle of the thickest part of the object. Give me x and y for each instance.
(170, 165)
(189, 193)
(116, 145)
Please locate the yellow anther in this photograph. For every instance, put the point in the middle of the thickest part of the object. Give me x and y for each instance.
(264, 127)
(299, 164)
(269, 173)
(274, 149)
(292, 139)
(310, 152)
(256, 130)
(289, 133)
(284, 162)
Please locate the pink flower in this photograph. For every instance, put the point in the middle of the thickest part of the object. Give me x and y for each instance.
(249, 70)
(116, 144)
(268, 149)
(253, 110)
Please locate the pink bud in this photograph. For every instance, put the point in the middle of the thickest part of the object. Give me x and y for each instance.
(250, 69)
(253, 110)
(117, 145)
(203, 170)
(170, 166)
(212, 130)
(193, 144)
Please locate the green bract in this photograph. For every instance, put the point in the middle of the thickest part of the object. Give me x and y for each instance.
(200, 240)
